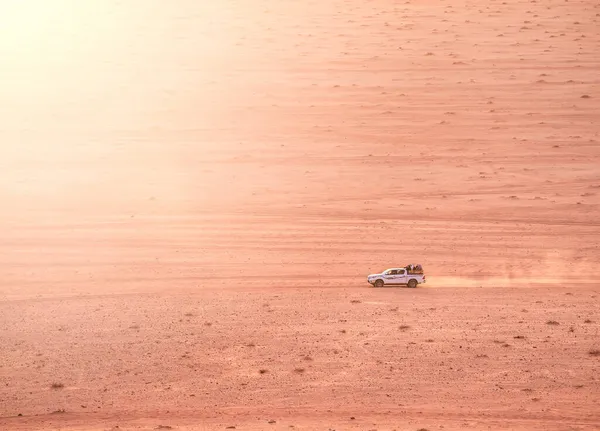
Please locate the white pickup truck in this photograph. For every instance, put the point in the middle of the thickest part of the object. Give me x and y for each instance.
(395, 276)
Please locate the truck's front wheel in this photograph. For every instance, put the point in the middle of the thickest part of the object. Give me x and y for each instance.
(412, 283)
(378, 283)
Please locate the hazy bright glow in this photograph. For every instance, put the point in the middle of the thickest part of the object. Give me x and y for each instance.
(75, 74)
(69, 55)
(47, 50)
(25, 23)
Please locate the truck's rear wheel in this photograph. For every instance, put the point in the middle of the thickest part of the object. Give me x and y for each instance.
(412, 283)
(379, 283)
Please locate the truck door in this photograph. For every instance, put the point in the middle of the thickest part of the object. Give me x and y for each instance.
(390, 276)
(402, 277)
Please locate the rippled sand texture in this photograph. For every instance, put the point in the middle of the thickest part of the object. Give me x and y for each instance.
(194, 192)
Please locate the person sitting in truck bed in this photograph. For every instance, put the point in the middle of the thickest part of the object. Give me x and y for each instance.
(414, 269)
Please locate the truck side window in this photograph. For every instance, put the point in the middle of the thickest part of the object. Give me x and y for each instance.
(401, 272)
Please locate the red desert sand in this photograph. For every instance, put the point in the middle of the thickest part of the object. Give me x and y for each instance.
(193, 192)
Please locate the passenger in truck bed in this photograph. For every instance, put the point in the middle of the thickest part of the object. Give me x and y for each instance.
(414, 269)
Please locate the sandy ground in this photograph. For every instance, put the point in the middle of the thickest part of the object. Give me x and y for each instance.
(189, 215)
